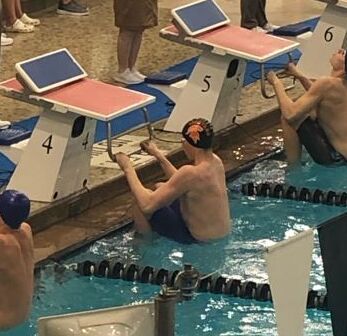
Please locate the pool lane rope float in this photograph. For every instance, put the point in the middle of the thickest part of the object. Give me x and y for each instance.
(211, 283)
(283, 191)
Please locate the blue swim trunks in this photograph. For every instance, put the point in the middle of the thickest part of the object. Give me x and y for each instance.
(168, 222)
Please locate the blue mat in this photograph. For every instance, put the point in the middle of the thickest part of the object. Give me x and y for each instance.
(160, 109)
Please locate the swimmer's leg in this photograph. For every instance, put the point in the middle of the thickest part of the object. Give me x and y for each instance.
(140, 221)
(292, 145)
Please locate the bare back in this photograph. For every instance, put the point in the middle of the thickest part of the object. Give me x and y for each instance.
(205, 206)
(16, 281)
(332, 114)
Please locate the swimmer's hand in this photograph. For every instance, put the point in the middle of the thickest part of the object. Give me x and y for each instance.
(123, 161)
(272, 78)
(292, 70)
(149, 147)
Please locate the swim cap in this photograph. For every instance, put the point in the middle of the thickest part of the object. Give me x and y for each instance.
(14, 208)
(199, 133)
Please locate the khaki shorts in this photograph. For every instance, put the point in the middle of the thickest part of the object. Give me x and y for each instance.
(136, 14)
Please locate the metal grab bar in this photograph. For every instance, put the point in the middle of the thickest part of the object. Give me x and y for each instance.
(263, 80)
(147, 123)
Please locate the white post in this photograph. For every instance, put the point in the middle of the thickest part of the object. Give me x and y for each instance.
(57, 158)
(212, 92)
(327, 38)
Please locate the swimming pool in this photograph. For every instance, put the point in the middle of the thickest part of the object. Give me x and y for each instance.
(257, 223)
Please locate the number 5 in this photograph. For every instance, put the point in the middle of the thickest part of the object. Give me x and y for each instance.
(208, 85)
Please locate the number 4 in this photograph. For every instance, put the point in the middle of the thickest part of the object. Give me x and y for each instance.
(47, 143)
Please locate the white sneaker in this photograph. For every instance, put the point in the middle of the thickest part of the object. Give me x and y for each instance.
(269, 27)
(127, 77)
(137, 74)
(29, 21)
(5, 40)
(259, 30)
(20, 27)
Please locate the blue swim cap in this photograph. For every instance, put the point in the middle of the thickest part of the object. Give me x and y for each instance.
(14, 208)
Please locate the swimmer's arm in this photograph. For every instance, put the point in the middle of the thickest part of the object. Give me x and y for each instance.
(296, 112)
(168, 168)
(150, 201)
(294, 71)
(305, 82)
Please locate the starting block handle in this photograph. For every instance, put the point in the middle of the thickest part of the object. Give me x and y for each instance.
(264, 92)
(147, 123)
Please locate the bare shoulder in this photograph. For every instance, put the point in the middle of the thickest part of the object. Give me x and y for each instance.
(186, 173)
(325, 82)
(186, 170)
(217, 158)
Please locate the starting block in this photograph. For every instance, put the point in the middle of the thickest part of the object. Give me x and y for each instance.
(327, 38)
(214, 87)
(56, 160)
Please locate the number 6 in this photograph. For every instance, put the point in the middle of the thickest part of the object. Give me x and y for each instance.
(328, 35)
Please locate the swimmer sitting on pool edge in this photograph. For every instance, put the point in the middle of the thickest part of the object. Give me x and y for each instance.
(192, 205)
(318, 119)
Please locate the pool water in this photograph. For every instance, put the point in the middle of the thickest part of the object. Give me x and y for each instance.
(257, 223)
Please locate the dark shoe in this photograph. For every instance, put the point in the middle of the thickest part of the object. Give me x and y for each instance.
(72, 8)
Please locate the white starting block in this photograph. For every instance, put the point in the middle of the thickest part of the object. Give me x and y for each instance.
(327, 38)
(213, 89)
(56, 160)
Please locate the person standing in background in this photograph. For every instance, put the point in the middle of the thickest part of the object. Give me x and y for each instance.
(15, 20)
(253, 16)
(72, 7)
(132, 17)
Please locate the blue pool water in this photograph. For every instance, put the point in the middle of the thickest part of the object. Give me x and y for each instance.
(257, 222)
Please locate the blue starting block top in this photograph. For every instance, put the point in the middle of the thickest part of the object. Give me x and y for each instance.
(294, 29)
(49, 71)
(12, 135)
(200, 16)
(165, 77)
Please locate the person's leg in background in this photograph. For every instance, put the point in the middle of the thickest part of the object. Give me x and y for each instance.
(13, 22)
(128, 46)
(248, 14)
(134, 52)
(262, 19)
(72, 7)
(260, 13)
(24, 17)
(5, 41)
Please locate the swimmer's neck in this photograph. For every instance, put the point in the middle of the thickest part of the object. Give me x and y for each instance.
(202, 156)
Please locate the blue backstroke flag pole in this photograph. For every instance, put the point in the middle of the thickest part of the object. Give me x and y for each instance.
(333, 244)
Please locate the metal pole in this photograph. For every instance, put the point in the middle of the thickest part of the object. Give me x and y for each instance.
(164, 312)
